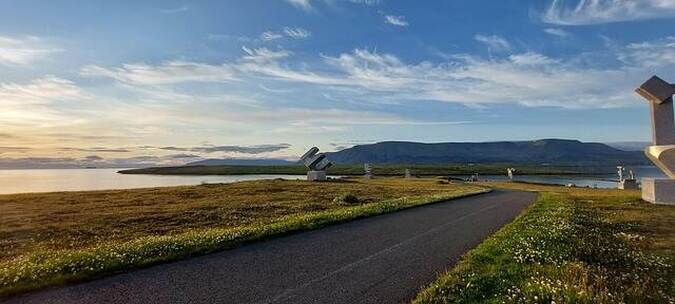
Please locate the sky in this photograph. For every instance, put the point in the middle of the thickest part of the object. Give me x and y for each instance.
(126, 83)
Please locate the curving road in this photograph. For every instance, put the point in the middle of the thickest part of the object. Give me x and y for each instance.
(382, 259)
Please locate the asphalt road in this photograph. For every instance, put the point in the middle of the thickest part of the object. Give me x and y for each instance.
(382, 259)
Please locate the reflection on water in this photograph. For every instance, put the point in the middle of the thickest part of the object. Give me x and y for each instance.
(47, 180)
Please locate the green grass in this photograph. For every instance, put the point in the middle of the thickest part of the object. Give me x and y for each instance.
(571, 246)
(57, 238)
(387, 170)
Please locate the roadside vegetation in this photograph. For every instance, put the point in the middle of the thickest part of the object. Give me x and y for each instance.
(388, 170)
(571, 246)
(55, 238)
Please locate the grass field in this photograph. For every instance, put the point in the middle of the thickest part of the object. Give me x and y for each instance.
(387, 170)
(54, 238)
(571, 246)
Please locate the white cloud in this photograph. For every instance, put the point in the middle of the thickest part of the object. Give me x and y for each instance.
(302, 4)
(306, 5)
(395, 20)
(23, 51)
(270, 35)
(494, 42)
(525, 78)
(557, 32)
(180, 9)
(659, 53)
(366, 2)
(39, 91)
(297, 32)
(30, 104)
(263, 54)
(586, 12)
(529, 79)
(165, 73)
(290, 32)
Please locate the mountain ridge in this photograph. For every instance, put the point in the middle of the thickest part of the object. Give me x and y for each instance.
(534, 151)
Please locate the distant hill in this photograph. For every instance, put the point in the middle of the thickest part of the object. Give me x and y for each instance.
(630, 145)
(243, 162)
(552, 151)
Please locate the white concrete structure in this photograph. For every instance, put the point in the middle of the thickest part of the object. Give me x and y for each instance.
(626, 183)
(369, 171)
(658, 190)
(659, 94)
(313, 176)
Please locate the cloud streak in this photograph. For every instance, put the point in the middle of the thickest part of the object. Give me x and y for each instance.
(257, 149)
(165, 73)
(494, 42)
(395, 20)
(587, 12)
(24, 51)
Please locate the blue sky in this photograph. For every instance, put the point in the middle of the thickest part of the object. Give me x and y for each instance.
(173, 81)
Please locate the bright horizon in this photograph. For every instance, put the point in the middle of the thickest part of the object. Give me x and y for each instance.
(169, 82)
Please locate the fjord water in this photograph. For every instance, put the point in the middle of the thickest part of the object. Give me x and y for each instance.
(49, 180)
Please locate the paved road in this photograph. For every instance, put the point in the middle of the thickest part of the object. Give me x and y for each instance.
(382, 259)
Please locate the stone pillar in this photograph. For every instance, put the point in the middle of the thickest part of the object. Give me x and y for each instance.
(313, 176)
(663, 124)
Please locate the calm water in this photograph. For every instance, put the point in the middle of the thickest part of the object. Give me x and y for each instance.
(47, 180)
(604, 181)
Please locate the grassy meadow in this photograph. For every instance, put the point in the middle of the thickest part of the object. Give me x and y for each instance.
(55, 238)
(571, 246)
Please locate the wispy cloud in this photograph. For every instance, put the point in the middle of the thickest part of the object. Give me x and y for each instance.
(31, 103)
(257, 149)
(302, 4)
(529, 78)
(24, 51)
(165, 73)
(263, 55)
(307, 5)
(180, 9)
(289, 32)
(14, 149)
(494, 42)
(650, 54)
(297, 32)
(270, 35)
(525, 78)
(95, 149)
(585, 12)
(395, 20)
(557, 32)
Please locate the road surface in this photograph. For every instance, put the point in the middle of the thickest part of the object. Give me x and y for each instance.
(382, 259)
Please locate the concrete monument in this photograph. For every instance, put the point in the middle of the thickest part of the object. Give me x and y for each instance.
(369, 171)
(317, 164)
(659, 94)
(626, 182)
(408, 174)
